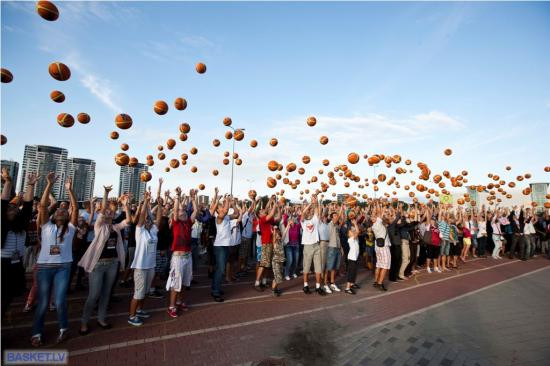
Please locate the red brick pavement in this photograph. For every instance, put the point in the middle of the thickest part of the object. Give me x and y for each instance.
(213, 333)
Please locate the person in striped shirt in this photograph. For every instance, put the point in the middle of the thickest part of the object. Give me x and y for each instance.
(445, 235)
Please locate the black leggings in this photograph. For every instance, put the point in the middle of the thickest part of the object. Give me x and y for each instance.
(352, 271)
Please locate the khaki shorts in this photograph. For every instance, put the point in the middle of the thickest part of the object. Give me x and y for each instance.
(267, 255)
(142, 282)
(312, 253)
(324, 249)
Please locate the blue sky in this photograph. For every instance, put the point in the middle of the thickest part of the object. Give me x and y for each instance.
(393, 78)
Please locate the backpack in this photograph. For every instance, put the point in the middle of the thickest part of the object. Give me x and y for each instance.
(427, 237)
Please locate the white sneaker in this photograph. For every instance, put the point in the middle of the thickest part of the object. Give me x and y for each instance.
(294, 275)
(437, 269)
(287, 278)
(327, 289)
(334, 288)
(429, 270)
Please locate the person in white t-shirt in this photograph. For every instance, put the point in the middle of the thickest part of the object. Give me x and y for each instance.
(144, 259)
(234, 246)
(310, 241)
(54, 260)
(353, 254)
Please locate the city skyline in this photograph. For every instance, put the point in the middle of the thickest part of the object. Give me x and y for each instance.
(410, 79)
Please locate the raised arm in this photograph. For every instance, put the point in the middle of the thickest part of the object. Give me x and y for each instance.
(72, 198)
(8, 185)
(214, 203)
(195, 204)
(144, 209)
(105, 202)
(177, 204)
(236, 211)
(43, 209)
(272, 211)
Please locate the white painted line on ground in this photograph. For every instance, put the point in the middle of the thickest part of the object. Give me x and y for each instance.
(315, 310)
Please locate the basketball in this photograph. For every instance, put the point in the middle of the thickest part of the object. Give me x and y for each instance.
(47, 10)
(272, 165)
(353, 158)
(448, 152)
(59, 71)
(215, 172)
(252, 194)
(508, 168)
(229, 135)
(185, 128)
(170, 143)
(306, 159)
(4, 140)
(7, 76)
(122, 159)
(227, 121)
(150, 162)
(323, 140)
(200, 67)
(291, 167)
(65, 120)
(239, 135)
(180, 104)
(160, 148)
(133, 162)
(273, 142)
(55, 95)
(83, 118)
(326, 162)
(253, 143)
(124, 147)
(193, 151)
(160, 107)
(238, 161)
(301, 171)
(167, 170)
(193, 169)
(161, 156)
(174, 163)
(527, 176)
(123, 121)
(145, 176)
(311, 121)
(271, 182)
(183, 137)
(351, 201)
(114, 135)
(547, 169)
(216, 142)
(201, 187)
(235, 155)
(226, 154)
(225, 161)
(184, 156)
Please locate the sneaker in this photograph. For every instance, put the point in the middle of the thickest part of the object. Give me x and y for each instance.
(306, 290)
(143, 314)
(172, 312)
(327, 289)
(276, 292)
(320, 291)
(429, 270)
(28, 307)
(382, 287)
(63, 335)
(349, 291)
(182, 306)
(437, 269)
(156, 294)
(36, 340)
(287, 278)
(355, 286)
(135, 321)
(294, 275)
(334, 288)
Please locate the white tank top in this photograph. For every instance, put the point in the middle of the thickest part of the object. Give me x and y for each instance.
(223, 233)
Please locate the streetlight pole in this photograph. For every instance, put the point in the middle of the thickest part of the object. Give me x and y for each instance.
(233, 155)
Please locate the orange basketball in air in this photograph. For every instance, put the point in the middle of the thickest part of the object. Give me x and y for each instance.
(353, 158)
(194, 151)
(272, 165)
(215, 172)
(253, 143)
(184, 156)
(123, 121)
(174, 163)
(185, 128)
(291, 167)
(150, 162)
(57, 96)
(216, 142)
(160, 148)
(201, 187)
(133, 162)
(124, 147)
(547, 169)
(122, 159)
(238, 161)
(183, 137)
(200, 67)
(225, 161)
(271, 182)
(323, 140)
(47, 10)
(114, 135)
(145, 176)
(4, 140)
(161, 156)
(229, 135)
(227, 121)
(301, 171)
(180, 104)
(170, 144)
(65, 120)
(83, 118)
(306, 159)
(160, 107)
(311, 121)
(194, 169)
(7, 76)
(59, 71)
(226, 154)
(448, 152)
(238, 135)
(273, 142)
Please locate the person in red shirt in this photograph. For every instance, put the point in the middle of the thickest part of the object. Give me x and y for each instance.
(181, 265)
(267, 219)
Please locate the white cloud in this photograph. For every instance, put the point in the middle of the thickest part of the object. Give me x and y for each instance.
(102, 89)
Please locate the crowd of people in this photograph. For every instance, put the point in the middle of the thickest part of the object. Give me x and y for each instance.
(157, 243)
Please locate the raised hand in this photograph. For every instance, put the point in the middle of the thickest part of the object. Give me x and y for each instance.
(6, 175)
(69, 184)
(51, 177)
(107, 188)
(32, 178)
